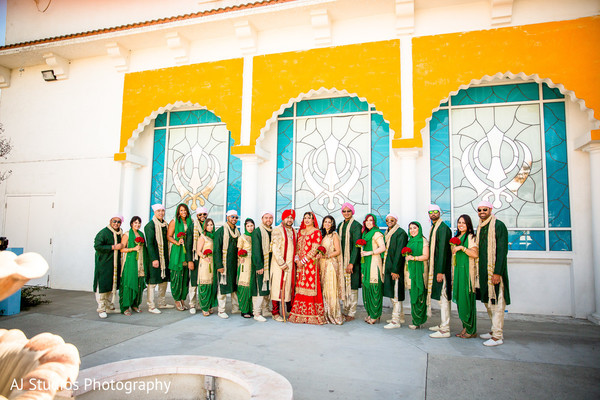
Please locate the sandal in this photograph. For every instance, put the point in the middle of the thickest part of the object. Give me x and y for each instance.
(205, 313)
(468, 336)
(128, 313)
(463, 332)
(178, 306)
(136, 309)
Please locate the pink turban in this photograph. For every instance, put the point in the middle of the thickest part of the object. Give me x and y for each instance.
(348, 206)
(287, 213)
(485, 204)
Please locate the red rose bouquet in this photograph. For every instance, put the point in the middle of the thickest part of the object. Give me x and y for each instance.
(242, 253)
(407, 251)
(361, 243)
(322, 250)
(181, 235)
(207, 253)
(455, 241)
(140, 241)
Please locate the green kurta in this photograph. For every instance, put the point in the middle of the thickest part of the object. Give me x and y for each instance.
(104, 265)
(418, 288)
(463, 294)
(442, 262)
(258, 263)
(500, 267)
(153, 275)
(132, 284)
(394, 263)
(231, 261)
(192, 245)
(178, 261)
(355, 234)
(372, 292)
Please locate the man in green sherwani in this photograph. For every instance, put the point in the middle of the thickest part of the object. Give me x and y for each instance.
(440, 270)
(107, 270)
(261, 260)
(493, 270)
(158, 253)
(201, 215)
(350, 232)
(393, 267)
(225, 259)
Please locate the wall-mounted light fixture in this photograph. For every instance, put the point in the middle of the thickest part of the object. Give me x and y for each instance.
(48, 75)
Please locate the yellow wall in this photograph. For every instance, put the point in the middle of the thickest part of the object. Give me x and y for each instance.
(216, 85)
(567, 52)
(371, 70)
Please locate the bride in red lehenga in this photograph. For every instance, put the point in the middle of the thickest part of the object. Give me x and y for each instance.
(307, 307)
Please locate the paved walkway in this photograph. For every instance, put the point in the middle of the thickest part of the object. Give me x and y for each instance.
(542, 358)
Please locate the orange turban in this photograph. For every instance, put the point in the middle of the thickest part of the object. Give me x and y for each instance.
(287, 213)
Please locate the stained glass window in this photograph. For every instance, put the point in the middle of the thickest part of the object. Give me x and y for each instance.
(503, 144)
(332, 151)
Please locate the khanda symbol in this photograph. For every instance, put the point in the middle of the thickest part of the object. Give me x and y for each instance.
(197, 186)
(323, 183)
(496, 173)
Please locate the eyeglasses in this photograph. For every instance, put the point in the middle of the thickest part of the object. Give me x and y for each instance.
(205, 214)
(482, 209)
(115, 221)
(433, 212)
(234, 216)
(346, 211)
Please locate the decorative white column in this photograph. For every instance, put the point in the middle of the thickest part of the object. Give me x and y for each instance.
(129, 167)
(407, 180)
(594, 150)
(250, 186)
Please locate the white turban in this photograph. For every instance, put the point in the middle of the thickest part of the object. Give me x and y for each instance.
(435, 207)
(392, 215)
(201, 210)
(267, 212)
(118, 216)
(231, 213)
(157, 207)
(485, 204)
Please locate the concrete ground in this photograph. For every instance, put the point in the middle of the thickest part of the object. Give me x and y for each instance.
(542, 358)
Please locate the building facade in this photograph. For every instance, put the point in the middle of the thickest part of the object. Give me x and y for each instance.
(307, 104)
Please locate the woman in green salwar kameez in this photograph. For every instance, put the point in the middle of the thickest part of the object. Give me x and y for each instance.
(244, 271)
(207, 274)
(372, 269)
(418, 273)
(180, 259)
(134, 269)
(464, 276)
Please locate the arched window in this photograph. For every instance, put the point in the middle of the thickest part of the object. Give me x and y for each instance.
(505, 144)
(192, 163)
(331, 151)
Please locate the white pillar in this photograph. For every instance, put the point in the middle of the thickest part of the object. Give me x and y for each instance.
(246, 122)
(406, 186)
(594, 150)
(250, 187)
(128, 186)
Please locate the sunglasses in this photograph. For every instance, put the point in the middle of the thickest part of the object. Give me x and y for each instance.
(346, 211)
(115, 221)
(234, 217)
(205, 214)
(433, 212)
(482, 209)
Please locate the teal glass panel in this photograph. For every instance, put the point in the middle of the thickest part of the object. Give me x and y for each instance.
(380, 167)
(285, 155)
(158, 168)
(497, 94)
(288, 112)
(527, 240)
(337, 105)
(559, 210)
(161, 120)
(551, 93)
(560, 240)
(234, 181)
(444, 104)
(193, 117)
(440, 162)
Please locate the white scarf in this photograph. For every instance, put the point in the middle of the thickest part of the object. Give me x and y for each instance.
(266, 250)
(115, 259)
(227, 233)
(158, 225)
(491, 253)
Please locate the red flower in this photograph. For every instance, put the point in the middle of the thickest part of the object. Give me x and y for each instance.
(321, 250)
(361, 242)
(180, 235)
(455, 241)
(242, 253)
(140, 240)
(406, 251)
(207, 252)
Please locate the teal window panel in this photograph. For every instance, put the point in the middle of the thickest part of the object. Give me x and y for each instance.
(193, 117)
(559, 210)
(234, 181)
(560, 240)
(496, 94)
(551, 93)
(285, 158)
(288, 112)
(444, 104)
(440, 162)
(527, 240)
(380, 167)
(158, 168)
(337, 105)
(161, 120)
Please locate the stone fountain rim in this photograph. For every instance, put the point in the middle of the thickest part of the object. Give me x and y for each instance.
(261, 383)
